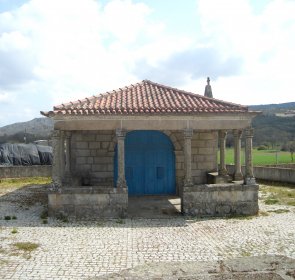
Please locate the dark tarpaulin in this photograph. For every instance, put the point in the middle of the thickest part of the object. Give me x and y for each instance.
(45, 154)
(24, 154)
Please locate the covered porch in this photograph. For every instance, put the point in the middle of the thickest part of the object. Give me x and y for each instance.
(85, 184)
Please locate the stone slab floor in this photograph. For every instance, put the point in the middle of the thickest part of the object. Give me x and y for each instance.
(84, 250)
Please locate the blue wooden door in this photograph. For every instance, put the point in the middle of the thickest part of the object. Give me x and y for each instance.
(149, 163)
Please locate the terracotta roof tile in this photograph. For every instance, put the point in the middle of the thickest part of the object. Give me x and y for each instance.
(145, 97)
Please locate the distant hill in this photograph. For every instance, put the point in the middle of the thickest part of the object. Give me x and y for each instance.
(270, 127)
(38, 128)
(281, 110)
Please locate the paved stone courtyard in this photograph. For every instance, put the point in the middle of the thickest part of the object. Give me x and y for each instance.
(76, 250)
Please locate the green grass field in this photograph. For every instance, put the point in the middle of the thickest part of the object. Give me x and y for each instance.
(264, 157)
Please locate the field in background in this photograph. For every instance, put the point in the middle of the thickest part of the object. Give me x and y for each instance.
(263, 157)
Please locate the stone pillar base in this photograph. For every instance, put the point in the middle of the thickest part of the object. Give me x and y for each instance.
(238, 177)
(220, 200)
(250, 181)
(215, 178)
(88, 203)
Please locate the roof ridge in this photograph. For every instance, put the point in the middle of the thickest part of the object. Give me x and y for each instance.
(195, 94)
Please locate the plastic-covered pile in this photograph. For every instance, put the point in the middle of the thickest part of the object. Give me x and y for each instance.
(25, 154)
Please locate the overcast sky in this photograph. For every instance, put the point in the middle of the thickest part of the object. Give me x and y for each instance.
(54, 51)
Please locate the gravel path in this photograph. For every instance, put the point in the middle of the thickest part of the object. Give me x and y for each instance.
(84, 250)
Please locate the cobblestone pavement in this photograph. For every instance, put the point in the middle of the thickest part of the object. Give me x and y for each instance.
(72, 250)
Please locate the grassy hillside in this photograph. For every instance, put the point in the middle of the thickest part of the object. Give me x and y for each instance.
(273, 130)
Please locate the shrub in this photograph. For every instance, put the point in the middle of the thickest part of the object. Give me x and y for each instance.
(262, 148)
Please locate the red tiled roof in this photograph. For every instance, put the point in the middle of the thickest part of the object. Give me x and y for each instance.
(148, 98)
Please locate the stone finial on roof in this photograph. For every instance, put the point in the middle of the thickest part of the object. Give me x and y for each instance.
(208, 90)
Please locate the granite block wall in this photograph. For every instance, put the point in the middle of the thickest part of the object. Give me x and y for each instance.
(92, 156)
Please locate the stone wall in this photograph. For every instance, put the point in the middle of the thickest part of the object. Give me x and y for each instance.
(277, 174)
(92, 156)
(88, 203)
(25, 171)
(204, 155)
(220, 200)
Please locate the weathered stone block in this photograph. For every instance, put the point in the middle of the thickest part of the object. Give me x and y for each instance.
(93, 152)
(206, 151)
(198, 143)
(88, 205)
(81, 145)
(88, 137)
(220, 200)
(89, 160)
(82, 153)
(103, 160)
(99, 167)
(206, 136)
(81, 160)
(103, 174)
(105, 145)
(94, 145)
(110, 167)
(104, 137)
(198, 158)
(206, 165)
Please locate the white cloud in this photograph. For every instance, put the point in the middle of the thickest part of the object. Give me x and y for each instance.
(4, 97)
(56, 51)
(73, 48)
(263, 40)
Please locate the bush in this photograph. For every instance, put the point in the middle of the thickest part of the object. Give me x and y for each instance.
(262, 148)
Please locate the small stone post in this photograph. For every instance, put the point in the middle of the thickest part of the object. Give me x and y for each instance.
(188, 134)
(56, 169)
(249, 176)
(238, 176)
(222, 142)
(121, 182)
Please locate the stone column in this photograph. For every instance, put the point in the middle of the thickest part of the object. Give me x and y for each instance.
(249, 176)
(238, 176)
(56, 169)
(121, 182)
(188, 134)
(62, 154)
(222, 140)
(68, 153)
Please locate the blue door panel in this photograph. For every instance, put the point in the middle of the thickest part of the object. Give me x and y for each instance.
(149, 163)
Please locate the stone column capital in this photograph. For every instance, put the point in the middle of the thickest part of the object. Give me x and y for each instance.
(188, 133)
(68, 134)
(249, 132)
(222, 134)
(55, 133)
(237, 133)
(120, 133)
